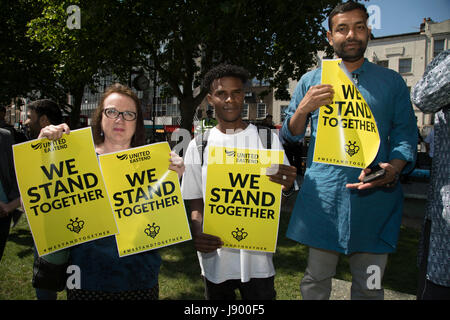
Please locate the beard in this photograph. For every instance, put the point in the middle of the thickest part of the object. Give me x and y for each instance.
(351, 55)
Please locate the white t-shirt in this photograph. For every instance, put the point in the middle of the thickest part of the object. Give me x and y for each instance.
(226, 263)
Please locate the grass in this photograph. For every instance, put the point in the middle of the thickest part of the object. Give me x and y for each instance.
(180, 272)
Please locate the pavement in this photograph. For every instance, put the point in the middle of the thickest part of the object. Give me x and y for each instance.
(341, 291)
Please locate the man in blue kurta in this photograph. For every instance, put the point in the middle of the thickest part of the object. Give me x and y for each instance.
(335, 211)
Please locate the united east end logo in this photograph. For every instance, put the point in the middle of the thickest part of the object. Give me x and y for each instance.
(50, 146)
(135, 157)
(75, 225)
(152, 230)
(242, 157)
(351, 148)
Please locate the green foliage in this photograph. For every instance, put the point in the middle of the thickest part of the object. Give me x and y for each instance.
(23, 66)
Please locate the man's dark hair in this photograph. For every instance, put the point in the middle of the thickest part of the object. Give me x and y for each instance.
(224, 70)
(48, 108)
(346, 7)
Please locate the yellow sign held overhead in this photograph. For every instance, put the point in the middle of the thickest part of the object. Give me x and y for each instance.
(146, 198)
(242, 206)
(62, 191)
(347, 133)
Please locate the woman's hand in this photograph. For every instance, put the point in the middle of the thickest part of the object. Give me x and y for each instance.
(7, 208)
(282, 174)
(52, 132)
(176, 163)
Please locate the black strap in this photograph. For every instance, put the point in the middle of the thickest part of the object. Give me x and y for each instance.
(201, 140)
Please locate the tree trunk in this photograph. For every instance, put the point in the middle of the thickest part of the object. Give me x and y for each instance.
(187, 110)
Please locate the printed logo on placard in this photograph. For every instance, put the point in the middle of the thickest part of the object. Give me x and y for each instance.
(135, 157)
(351, 148)
(122, 156)
(152, 230)
(239, 234)
(75, 225)
(243, 157)
(230, 153)
(50, 146)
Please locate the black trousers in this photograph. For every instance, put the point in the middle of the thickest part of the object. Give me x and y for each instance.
(255, 289)
(5, 226)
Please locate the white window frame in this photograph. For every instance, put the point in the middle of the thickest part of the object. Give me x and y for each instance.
(400, 67)
(260, 115)
(245, 111)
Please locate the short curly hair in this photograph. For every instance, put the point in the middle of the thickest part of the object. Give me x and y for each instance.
(224, 70)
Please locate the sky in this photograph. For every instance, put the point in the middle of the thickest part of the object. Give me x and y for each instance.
(404, 16)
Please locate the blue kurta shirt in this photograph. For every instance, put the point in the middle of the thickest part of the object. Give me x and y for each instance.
(326, 214)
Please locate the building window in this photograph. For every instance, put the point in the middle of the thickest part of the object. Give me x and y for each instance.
(261, 111)
(244, 113)
(173, 110)
(161, 110)
(383, 63)
(438, 47)
(404, 65)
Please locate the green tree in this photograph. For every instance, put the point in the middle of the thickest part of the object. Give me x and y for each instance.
(101, 44)
(273, 39)
(24, 67)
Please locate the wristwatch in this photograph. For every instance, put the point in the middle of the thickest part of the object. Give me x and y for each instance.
(289, 192)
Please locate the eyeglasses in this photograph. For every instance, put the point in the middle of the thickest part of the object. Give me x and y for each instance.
(112, 113)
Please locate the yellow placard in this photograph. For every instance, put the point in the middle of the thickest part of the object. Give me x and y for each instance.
(242, 206)
(146, 198)
(63, 192)
(347, 133)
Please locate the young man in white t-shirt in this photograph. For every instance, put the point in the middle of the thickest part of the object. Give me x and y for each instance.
(225, 269)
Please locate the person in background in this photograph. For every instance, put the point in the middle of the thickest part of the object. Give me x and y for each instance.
(17, 135)
(42, 113)
(268, 121)
(431, 95)
(118, 125)
(209, 122)
(9, 191)
(429, 143)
